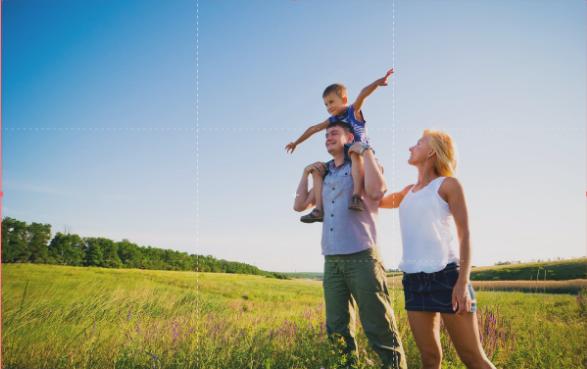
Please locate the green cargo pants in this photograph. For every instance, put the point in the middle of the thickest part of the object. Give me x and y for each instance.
(360, 279)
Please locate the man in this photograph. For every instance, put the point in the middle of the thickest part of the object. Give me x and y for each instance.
(353, 272)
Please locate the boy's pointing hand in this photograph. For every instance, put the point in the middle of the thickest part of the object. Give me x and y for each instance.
(383, 81)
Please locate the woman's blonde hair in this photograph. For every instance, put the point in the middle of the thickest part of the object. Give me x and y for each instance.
(445, 150)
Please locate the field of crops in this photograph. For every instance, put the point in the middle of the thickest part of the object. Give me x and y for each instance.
(573, 286)
(70, 317)
(543, 271)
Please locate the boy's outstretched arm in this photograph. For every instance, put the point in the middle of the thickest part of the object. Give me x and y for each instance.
(290, 147)
(368, 90)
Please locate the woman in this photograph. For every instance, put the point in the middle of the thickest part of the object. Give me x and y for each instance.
(436, 269)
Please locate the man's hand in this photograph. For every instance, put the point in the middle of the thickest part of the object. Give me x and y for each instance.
(290, 147)
(318, 166)
(383, 80)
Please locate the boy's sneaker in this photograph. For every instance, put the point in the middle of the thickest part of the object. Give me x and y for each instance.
(314, 216)
(356, 203)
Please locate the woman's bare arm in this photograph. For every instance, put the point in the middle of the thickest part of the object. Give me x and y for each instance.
(393, 200)
(452, 192)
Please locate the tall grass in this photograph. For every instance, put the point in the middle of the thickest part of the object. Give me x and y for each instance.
(68, 317)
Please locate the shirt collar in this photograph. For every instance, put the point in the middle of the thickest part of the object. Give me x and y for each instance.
(333, 167)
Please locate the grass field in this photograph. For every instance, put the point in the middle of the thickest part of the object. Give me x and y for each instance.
(544, 271)
(562, 270)
(70, 317)
(573, 286)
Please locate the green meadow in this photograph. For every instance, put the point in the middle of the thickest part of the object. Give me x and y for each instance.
(74, 317)
(562, 270)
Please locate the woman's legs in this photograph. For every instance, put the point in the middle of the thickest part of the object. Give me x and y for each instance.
(425, 327)
(464, 333)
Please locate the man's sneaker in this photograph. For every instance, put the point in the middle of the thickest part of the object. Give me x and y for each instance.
(356, 203)
(314, 216)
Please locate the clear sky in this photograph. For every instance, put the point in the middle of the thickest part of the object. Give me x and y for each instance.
(100, 135)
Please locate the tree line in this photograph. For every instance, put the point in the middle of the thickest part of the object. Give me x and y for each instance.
(32, 243)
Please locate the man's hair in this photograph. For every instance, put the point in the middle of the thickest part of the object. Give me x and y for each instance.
(337, 88)
(339, 123)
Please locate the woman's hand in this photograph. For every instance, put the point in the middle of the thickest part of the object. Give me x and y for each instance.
(461, 300)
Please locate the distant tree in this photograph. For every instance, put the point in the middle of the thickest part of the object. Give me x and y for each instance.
(39, 236)
(67, 249)
(94, 254)
(154, 258)
(24, 243)
(110, 254)
(130, 254)
(14, 241)
(32, 243)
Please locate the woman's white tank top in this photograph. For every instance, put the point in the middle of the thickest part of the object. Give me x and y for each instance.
(428, 230)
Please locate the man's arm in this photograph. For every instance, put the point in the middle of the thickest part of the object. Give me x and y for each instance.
(290, 147)
(304, 197)
(368, 90)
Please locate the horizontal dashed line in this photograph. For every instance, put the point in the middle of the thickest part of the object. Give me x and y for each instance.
(256, 130)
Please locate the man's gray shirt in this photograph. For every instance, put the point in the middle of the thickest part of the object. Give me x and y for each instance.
(345, 231)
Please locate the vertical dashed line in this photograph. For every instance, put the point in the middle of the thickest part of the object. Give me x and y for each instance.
(198, 318)
(393, 134)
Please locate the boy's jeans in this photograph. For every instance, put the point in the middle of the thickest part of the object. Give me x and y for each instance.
(361, 278)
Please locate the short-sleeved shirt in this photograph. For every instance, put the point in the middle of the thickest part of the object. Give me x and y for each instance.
(359, 128)
(345, 231)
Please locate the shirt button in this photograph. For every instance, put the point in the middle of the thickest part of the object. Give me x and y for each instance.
(332, 188)
(330, 229)
(333, 201)
(331, 215)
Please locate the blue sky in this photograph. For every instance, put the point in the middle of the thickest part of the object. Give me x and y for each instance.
(100, 135)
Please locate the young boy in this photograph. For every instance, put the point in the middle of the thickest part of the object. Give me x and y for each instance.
(336, 102)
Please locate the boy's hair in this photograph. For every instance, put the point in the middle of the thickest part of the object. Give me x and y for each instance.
(445, 150)
(338, 88)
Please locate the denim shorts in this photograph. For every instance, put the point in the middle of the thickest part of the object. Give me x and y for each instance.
(433, 291)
